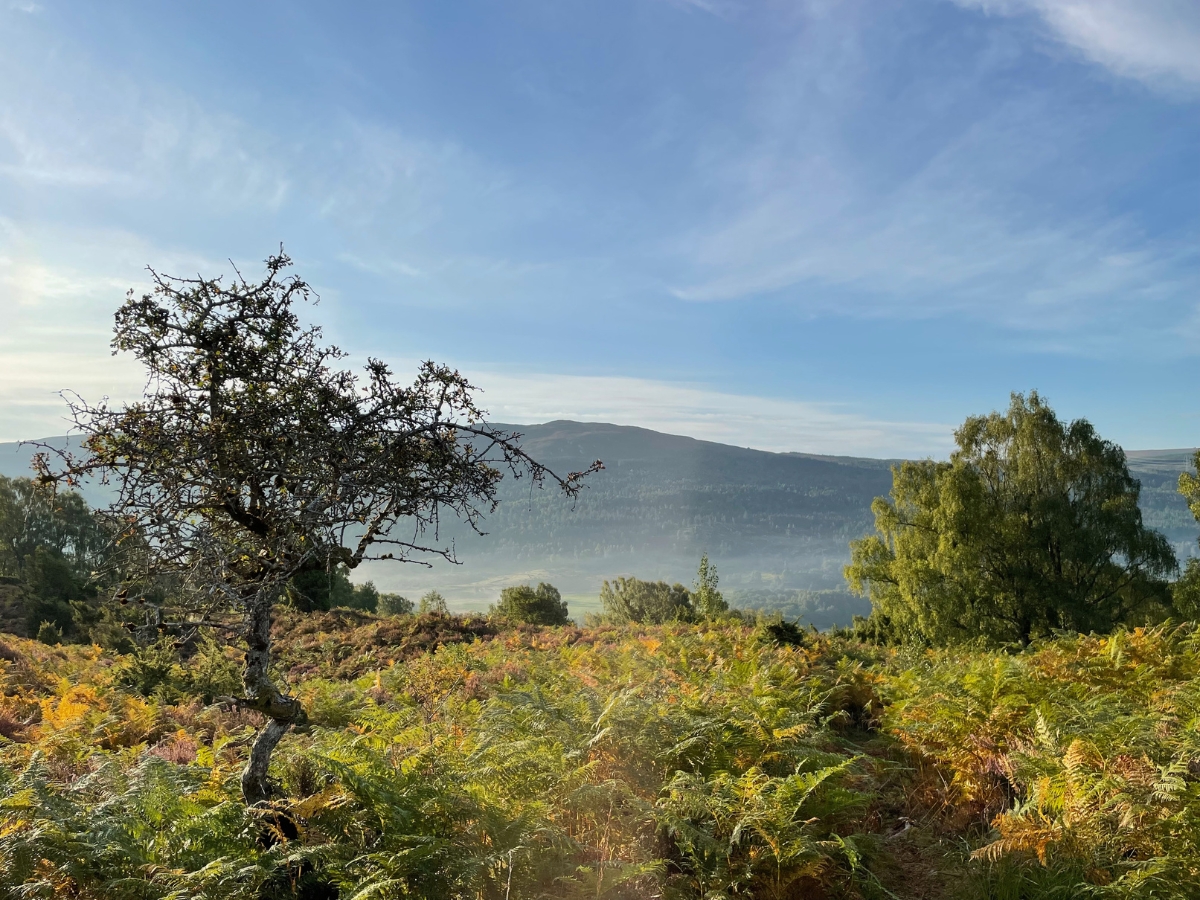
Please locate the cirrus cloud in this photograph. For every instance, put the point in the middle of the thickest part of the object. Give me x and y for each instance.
(1155, 41)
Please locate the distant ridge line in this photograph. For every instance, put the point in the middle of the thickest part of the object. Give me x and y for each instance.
(574, 423)
(1141, 454)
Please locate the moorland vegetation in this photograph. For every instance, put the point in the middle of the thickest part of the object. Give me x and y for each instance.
(197, 701)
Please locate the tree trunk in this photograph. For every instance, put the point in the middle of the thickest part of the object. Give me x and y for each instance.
(256, 786)
(261, 694)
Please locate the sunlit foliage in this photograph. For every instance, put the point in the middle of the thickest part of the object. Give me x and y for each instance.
(625, 600)
(1032, 526)
(542, 605)
(446, 757)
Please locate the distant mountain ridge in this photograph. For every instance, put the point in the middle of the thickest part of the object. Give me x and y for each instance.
(776, 524)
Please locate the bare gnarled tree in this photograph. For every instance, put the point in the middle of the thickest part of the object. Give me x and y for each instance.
(252, 458)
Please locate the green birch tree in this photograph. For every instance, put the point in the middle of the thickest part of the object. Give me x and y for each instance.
(1032, 526)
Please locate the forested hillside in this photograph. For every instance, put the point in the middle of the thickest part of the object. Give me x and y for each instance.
(777, 524)
(1162, 506)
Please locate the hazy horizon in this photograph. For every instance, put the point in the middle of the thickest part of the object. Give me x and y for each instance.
(1142, 452)
(776, 525)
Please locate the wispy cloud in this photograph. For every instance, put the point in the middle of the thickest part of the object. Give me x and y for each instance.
(966, 228)
(94, 129)
(926, 251)
(30, 406)
(722, 8)
(840, 158)
(407, 206)
(83, 267)
(373, 178)
(1155, 41)
(59, 321)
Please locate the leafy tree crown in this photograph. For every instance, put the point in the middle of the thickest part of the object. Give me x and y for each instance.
(652, 602)
(1033, 525)
(542, 605)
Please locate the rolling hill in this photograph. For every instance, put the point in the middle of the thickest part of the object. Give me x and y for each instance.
(776, 524)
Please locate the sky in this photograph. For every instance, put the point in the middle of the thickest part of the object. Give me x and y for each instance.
(822, 225)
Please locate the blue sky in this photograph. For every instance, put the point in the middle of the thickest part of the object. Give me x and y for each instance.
(824, 226)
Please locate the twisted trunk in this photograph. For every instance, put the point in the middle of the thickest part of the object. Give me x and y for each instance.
(256, 786)
(282, 712)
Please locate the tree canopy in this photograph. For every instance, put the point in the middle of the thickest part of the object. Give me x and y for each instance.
(316, 589)
(393, 605)
(542, 605)
(252, 459)
(650, 602)
(61, 524)
(1033, 525)
(49, 546)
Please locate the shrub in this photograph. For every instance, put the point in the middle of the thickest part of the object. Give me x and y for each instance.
(210, 673)
(650, 602)
(541, 606)
(394, 605)
(151, 670)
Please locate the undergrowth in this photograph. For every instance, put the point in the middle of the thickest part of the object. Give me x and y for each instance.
(449, 759)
